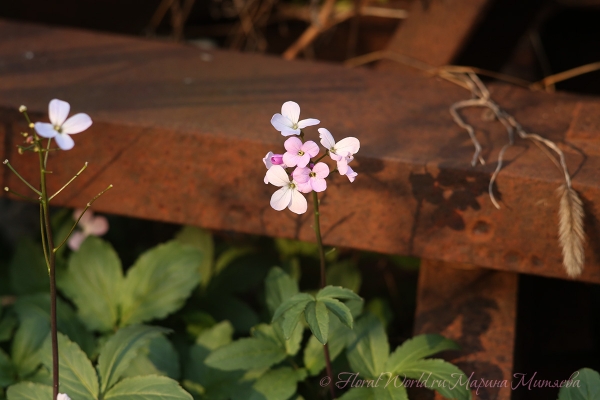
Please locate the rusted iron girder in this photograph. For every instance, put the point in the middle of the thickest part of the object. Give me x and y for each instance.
(181, 133)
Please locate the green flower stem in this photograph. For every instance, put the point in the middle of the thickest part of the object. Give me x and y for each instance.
(7, 163)
(71, 180)
(323, 284)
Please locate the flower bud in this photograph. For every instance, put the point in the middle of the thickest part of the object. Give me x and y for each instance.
(277, 159)
(22, 109)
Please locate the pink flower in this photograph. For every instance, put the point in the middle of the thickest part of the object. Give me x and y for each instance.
(288, 196)
(60, 128)
(90, 225)
(287, 122)
(342, 152)
(309, 180)
(351, 174)
(299, 153)
(272, 159)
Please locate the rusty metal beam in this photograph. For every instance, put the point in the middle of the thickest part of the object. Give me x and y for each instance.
(181, 135)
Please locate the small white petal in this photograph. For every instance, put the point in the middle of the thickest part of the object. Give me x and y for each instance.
(298, 202)
(98, 226)
(277, 176)
(266, 178)
(347, 145)
(326, 138)
(291, 110)
(62, 396)
(58, 111)
(267, 160)
(281, 123)
(45, 129)
(77, 123)
(281, 198)
(308, 122)
(64, 141)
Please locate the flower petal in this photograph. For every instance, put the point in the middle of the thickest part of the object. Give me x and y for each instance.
(318, 184)
(293, 145)
(304, 187)
(98, 226)
(58, 111)
(302, 161)
(45, 129)
(310, 148)
(86, 218)
(298, 202)
(281, 123)
(347, 145)
(342, 166)
(64, 141)
(290, 159)
(267, 178)
(321, 169)
(326, 138)
(281, 198)
(291, 110)
(308, 122)
(267, 160)
(300, 175)
(277, 176)
(76, 240)
(77, 123)
(351, 174)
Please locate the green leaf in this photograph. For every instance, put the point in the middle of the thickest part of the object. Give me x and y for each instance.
(438, 375)
(337, 292)
(8, 323)
(245, 354)
(291, 310)
(226, 306)
(340, 310)
(294, 343)
(368, 348)
(279, 287)
(381, 309)
(317, 318)
(27, 344)
(159, 282)
(203, 241)
(77, 376)
(278, 384)
(314, 357)
(7, 370)
(376, 393)
(417, 348)
(28, 271)
(120, 349)
(151, 387)
(230, 255)
(583, 384)
(346, 274)
(217, 336)
(29, 391)
(93, 281)
(159, 358)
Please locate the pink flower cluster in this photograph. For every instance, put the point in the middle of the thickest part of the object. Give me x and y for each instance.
(308, 175)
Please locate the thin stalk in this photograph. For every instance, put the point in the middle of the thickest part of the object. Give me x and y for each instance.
(44, 242)
(71, 180)
(9, 190)
(7, 163)
(323, 284)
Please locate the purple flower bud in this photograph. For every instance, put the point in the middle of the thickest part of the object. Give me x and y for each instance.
(277, 159)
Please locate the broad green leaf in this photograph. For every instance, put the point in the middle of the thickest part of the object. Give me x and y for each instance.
(340, 310)
(29, 391)
(247, 353)
(159, 282)
(229, 255)
(202, 240)
(417, 348)
(375, 393)
(294, 343)
(276, 384)
(217, 336)
(314, 356)
(8, 323)
(317, 318)
(140, 366)
(77, 376)
(151, 387)
(368, 348)
(28, 270)
(583, 384)
(120, 349)
(7, 370)
(163, 355)
(93, 281)
(290, 312)
(226, 306)
(198, 321)
(27, 344)
(279, 287)
(346, 274)
(438, 375)
(337, 292)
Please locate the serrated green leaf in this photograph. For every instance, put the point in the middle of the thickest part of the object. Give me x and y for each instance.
(77, 376)
(120, 349)
(245, 354)
(317, 318)
(314, 357)
(151, 387)
(294, 343)
(159, 282)
(438, 375)
(368, 347)
(7, 371)
(278, 384)
(290, 312)
(29, 391)
(28, 271)
(202, 240)
(159, 358)
(583, 384)
(417, 348)
(337, 292)
(93, 281)
(27, 343)
(279, 287)
(345, 274)
(340, 310)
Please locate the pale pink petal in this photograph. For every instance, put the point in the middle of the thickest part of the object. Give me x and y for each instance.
(300, 175)
(347, 145)
(267, 178)
(321, 169)
(308, 122)
(351, 174)
(293, 145)
(281, 123)
(86, 218)
(298, 203)
(335, 157)
(58, 111)
(326, 138)
(45, 129)
(282, 198)
(75, 240)
(318, 184)
(303, 160)
(304, 187)
(291, 159)
(267, 160)
(64, 141)
(277, 176)
(77, 123)
(291, 111)
(342, 166)
(311, 148)
(98, 226)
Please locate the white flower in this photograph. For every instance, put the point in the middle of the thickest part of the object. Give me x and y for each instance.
(60, 127)
(351, 174)
(90, 225)
(287, 122)
(62, 396)
(273, 159)
(288, 196)
(342, 152)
